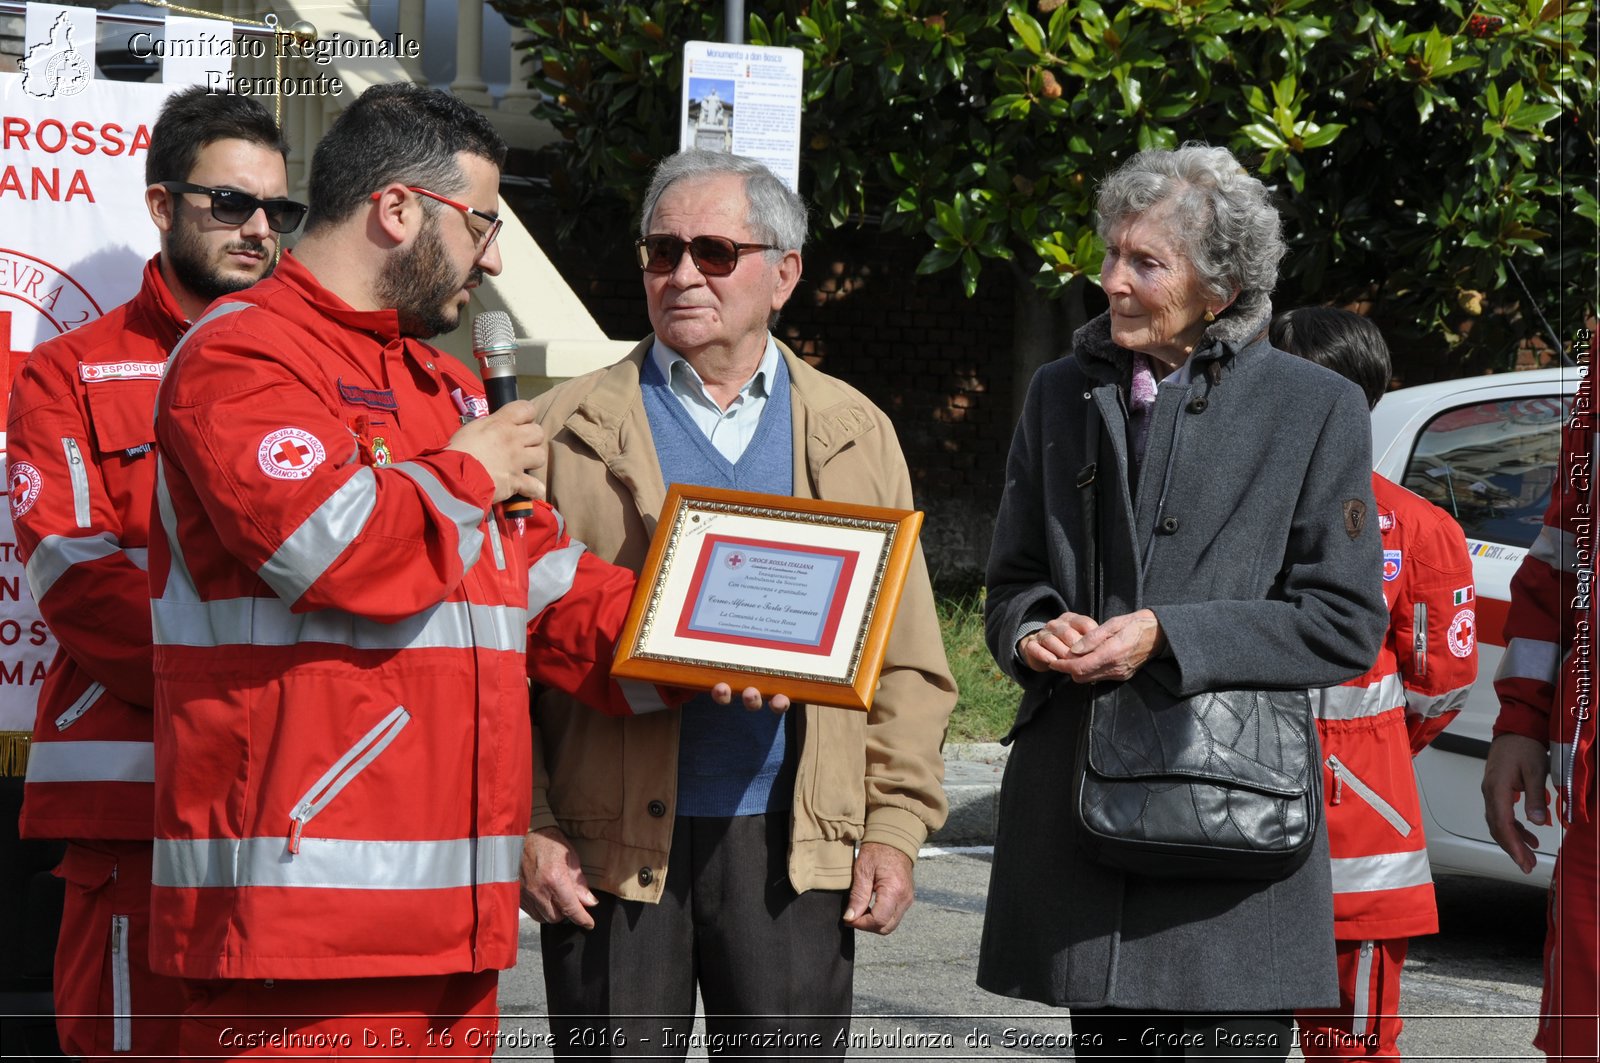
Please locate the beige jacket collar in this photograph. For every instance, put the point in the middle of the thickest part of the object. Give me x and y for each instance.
(826, 419)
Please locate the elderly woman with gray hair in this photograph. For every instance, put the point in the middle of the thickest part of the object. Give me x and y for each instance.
(1232, 551)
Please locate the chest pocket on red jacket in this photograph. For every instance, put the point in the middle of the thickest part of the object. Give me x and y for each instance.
(122, 416)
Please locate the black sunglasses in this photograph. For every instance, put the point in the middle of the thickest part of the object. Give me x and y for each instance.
(715, 256)
(233, 207)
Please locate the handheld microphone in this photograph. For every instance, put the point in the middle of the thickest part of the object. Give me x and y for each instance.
(494, 345)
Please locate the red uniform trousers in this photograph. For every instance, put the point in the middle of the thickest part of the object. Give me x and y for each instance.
(1567, 1013)
(423, 1017)
(103, 958)
(1366, 1024)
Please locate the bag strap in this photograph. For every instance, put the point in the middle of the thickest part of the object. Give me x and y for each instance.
(1087, 492)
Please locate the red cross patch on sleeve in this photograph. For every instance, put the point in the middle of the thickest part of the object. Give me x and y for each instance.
(290, 454)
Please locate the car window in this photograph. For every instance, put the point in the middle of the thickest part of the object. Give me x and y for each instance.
(1491, 464)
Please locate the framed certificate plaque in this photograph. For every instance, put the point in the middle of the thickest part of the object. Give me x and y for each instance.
(792, 596)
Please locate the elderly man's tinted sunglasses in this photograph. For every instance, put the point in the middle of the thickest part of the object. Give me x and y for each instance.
(233, 207)
(715, 256)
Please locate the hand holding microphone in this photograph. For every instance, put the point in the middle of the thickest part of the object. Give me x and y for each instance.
(508, 443)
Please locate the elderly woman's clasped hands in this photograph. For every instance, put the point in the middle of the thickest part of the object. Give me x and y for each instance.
(1091, 652)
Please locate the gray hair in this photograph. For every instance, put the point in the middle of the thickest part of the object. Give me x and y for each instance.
(775, 214)
(1221, 216)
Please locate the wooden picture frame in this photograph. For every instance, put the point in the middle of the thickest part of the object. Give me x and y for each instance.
(790, 595)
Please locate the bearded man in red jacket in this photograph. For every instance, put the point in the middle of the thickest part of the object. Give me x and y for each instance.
(82, 474)
(345, 622)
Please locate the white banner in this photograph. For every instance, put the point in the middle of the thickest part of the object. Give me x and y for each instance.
(26, 646)
(74, 238)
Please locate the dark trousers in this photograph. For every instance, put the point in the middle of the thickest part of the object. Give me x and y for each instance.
(1112, 1033)
(773, 967)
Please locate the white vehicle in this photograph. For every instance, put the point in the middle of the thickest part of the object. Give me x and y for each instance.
(1484, 449)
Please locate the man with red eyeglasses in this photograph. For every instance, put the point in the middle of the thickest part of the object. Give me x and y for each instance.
(696, 849)
(345, 621)
(80, 435)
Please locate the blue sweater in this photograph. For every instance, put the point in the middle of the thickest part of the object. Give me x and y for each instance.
(730, 762)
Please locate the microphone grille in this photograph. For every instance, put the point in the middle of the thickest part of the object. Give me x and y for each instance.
(491, 330)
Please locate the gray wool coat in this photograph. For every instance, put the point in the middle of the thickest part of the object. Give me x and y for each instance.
(1251, 536)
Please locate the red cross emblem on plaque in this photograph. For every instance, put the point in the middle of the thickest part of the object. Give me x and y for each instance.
(290, 454)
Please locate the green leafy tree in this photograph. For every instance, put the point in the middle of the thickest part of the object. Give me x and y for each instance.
(1435, 160)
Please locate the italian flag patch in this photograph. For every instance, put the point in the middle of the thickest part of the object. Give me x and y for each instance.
(1463, 596)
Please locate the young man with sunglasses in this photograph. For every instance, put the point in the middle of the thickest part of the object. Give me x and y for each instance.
(346, 622)
(698, 849)
(83, 473)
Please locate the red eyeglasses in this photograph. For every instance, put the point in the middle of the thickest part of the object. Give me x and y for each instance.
(483, 238)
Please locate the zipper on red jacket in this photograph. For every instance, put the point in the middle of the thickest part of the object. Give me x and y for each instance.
(1363, 990)
(1343, 774)
(344, 770)
(73, 712)
(121, 984)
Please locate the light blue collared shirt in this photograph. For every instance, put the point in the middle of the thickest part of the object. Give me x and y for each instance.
(730, 430)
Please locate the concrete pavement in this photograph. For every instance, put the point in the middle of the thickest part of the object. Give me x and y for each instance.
(972, 782)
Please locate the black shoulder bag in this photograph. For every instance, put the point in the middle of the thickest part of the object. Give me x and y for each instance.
(1223, 784)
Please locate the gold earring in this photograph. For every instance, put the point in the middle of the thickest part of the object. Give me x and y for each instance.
(1210, 317)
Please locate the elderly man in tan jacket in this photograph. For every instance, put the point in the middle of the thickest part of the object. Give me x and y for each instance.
(707, 848)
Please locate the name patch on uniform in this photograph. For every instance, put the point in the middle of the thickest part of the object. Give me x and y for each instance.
(1463, 633)
(1391, 566)
(377, 399)
(290, 454)
(26, 483)
(470, 407)
(89, 372)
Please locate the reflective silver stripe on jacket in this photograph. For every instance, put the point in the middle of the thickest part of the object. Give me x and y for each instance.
(269, 622)
(552, 576)
(1354, 703)
(332, 863)
(92, 762)
(80, 480)
(180, 585)
(57, 553)
(180, 618)
(1390, 871)
(1556, 548)
(302, 558)
(1533, 659)
(1429, 706)
(468, 519)
(641, 697)
(221, 311)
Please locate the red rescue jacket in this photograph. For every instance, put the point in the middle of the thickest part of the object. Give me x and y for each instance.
(1373, 725)
(83, 469)
(1546, 678)
(343, 643)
